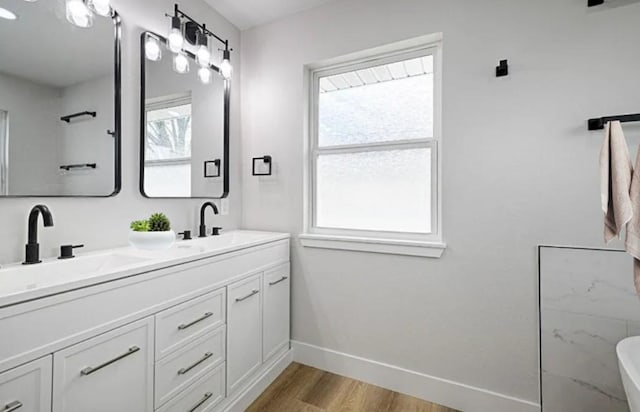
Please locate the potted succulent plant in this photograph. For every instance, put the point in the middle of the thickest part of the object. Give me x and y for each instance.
(152, 234)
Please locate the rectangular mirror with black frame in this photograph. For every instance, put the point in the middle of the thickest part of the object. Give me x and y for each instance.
(59, 99)
(184, 124)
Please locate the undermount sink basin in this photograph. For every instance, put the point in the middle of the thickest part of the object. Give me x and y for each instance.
(17, 278)
(628, 351)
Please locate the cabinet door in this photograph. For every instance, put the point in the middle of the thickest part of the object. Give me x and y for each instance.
(244, 330)
(111, 372)
(276, 310)
(27, 388)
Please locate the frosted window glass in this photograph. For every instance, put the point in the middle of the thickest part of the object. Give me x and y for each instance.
(375, 190)
(353, 111)
(167, 180)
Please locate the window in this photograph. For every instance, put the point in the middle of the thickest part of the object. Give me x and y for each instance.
(167, 167)
(373, 154)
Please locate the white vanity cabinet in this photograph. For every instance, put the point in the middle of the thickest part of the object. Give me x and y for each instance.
(244, 308)
(111, 372)
(276, 313)
(27, 388)
(205, 334)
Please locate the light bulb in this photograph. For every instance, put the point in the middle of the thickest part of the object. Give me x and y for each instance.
(180, 63)
(204, 74)
(152, 49)
(226, 70)
(203, 56)
(176, 40)
(78, 13)
(101, 7)
(7, 14)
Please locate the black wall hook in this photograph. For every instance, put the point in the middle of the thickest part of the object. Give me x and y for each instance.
(502, 69)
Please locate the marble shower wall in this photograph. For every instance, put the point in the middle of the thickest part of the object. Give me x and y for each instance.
(587, 305)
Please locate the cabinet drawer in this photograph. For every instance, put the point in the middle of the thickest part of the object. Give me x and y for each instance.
(27, 388)
(244, 327)
(183, 367)
(203, 396)
(276, 311)
(111, 372)
(177, 325)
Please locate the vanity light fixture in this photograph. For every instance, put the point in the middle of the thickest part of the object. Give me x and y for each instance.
(78, 13)
(203, 54)
(7, 14)
(152, 49)
(204, 74)
(180, 63)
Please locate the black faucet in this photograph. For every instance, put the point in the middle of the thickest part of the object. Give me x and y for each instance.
(203, 227)
(32, 248)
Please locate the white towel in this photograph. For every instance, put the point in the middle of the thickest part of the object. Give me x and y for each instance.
(615, 181)
(632, 242)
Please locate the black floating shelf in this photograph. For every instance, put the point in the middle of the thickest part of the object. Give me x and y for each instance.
(592, 3)
(598, 123)
(68, 117)
(79, 166)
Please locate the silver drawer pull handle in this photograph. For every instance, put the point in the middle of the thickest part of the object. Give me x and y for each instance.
(282, 279)
(12, 406)
(188, 368)
(200, 319)
(201, 402)
(253, 292)
(91, 369)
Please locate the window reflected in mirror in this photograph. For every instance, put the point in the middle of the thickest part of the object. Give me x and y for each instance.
(167, 166)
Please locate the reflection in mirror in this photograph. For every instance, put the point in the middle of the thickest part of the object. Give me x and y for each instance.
(59, 110)
(183, 136)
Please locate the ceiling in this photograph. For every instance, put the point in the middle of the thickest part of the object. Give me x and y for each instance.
(249, 13)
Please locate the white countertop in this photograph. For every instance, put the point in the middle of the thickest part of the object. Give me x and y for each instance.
(20, 283)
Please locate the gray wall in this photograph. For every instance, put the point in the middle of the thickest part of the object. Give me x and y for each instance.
(101, 223)
(519, 169)
(33, 130)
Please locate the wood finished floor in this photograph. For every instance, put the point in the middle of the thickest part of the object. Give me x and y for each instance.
(302, 388)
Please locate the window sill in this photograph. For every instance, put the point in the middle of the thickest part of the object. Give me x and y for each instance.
(372, 245)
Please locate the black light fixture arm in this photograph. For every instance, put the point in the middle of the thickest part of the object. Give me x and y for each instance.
(179, 13)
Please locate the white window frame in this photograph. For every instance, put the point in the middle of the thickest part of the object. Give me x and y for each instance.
(404, 243)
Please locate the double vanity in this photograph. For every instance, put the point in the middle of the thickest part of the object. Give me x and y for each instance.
(203, 326)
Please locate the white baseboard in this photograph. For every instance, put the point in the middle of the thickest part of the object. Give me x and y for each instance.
(444, 392)
(245, 397)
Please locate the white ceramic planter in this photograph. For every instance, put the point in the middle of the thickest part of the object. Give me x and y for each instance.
(152, 240)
